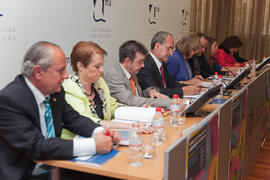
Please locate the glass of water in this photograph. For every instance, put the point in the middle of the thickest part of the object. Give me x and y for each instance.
(182, 114)
(148, 147)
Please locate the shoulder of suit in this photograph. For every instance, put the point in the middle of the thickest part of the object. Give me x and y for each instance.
(148, 60)
(72, 88)
(112, 71)
(16, 87)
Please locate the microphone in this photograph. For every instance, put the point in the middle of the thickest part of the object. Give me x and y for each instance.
(211, 75)
(229, 71)
(225, 92)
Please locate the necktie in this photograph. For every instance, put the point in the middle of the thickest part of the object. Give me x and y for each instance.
(48, 119)
(162, 75)
(196, 65)
(188, 69)
(132, 82)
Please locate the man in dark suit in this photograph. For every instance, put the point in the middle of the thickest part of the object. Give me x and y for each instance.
(119, 78)
(199, 63)
(30, 126)
(155, 74)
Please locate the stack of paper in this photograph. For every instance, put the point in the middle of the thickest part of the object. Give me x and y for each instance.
(130, 113)
(207, 84)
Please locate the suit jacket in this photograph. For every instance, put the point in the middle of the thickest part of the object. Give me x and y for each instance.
(238, 58)
(77, 99)
(120, 89)
(200, 66)
(178, 68)
(149, 76)
(21, 140)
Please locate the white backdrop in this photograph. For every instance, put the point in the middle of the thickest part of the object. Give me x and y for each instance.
(65, 22)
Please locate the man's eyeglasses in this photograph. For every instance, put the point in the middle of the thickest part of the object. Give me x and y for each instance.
(169, 48)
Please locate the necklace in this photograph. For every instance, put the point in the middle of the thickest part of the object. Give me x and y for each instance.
(92, 101)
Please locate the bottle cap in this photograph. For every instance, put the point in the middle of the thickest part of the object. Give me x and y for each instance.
(158, 109)
(216, 73)
(220, 76)
(175, 96)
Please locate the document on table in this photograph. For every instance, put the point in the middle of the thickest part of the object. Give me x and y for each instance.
(227, 78)
(124, 134)
(130, 113)
(97, 159)
(207, 84)
(193, 96)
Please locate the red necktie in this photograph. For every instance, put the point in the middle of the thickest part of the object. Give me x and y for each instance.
(132, 82)
(162, 75)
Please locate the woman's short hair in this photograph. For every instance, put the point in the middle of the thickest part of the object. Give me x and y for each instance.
(230, 42)
(190, 41)
(83, 52)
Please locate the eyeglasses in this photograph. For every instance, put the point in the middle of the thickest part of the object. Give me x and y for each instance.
(169, 48)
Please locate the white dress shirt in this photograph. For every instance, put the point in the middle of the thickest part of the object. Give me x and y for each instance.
(158, 63)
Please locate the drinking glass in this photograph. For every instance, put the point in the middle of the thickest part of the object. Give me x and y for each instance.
(148, 147)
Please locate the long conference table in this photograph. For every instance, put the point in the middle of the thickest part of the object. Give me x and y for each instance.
(221, 145)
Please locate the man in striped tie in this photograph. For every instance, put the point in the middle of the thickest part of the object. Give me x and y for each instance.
(33, 112)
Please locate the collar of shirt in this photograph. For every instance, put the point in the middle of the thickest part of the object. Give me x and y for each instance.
(158, 63)
(41, 106)
(128, 76)
(37, 94)
(127, 73)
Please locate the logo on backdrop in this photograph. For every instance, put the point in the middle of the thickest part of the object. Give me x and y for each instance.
(153, 10)
(185, 17)
(99, 9)
(7, 32)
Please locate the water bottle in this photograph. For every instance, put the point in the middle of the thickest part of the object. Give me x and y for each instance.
(135, 147)
(174, 110)
(158, 125)
(253, 68)
(220, 95)
(215, 79)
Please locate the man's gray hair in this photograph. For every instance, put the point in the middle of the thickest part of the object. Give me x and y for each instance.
(37, 54)
(160, 37)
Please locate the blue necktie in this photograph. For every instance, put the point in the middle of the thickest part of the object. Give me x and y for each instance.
(48, 119)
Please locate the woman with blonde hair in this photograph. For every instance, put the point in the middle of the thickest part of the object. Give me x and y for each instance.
(178, 65)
